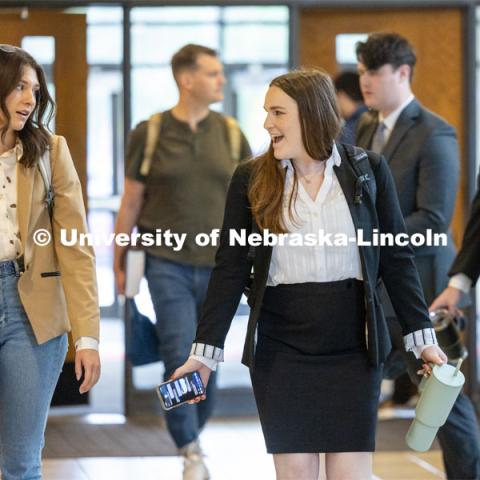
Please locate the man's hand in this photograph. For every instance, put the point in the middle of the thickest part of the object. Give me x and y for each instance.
(449, 299)
(132, 202)
(119, 279)
(87, 362)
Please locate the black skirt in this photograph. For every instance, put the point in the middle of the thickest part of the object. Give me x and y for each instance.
(314, 386)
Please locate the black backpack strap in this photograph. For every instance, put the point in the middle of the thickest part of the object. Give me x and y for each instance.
(45, 168)
(358, 160)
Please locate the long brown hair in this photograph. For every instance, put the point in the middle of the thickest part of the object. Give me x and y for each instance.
(35, 136)
(320, 122)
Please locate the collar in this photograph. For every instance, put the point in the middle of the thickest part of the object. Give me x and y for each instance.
(203, 123)
(13, 155)
(391, 119)
(334, 159)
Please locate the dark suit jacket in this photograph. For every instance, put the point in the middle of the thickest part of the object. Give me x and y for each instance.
(468, 258)
(422, 154)
(394, 264)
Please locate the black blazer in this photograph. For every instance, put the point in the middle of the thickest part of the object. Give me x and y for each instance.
(394, 264)
(468, 258)
(422, 154)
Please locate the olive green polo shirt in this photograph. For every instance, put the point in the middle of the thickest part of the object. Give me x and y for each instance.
(187, 183)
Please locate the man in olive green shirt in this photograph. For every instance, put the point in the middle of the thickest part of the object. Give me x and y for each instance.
(181, 194)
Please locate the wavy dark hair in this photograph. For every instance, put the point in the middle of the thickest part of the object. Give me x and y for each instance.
(35, 135)
(320, 123)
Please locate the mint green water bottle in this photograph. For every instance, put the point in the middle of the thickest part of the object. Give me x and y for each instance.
(438, 394)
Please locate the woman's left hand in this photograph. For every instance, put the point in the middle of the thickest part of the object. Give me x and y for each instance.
(432, 354)
(87, 362)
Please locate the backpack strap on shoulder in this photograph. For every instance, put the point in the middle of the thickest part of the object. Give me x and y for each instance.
(360, 164)
(153, 131)
(45, 168)
(234, 137)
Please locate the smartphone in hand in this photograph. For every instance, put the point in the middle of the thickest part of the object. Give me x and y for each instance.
(176, 392)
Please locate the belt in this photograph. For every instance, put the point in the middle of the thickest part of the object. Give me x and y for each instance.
(10, 267)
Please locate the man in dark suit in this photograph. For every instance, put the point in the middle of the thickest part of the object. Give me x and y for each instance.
(466, 267)
(422, 152)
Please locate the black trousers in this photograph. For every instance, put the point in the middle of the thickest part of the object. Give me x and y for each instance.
(459, 438)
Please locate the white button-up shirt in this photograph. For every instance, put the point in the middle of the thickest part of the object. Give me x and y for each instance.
(10, 246)
(391, 119)
(328, 213)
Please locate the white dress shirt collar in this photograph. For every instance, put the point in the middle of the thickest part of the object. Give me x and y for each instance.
(391, 119)
(10, 157)
(334, 159)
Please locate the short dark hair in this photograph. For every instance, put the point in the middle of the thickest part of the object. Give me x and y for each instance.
(349, 83)
(386, 48)
(186, 58)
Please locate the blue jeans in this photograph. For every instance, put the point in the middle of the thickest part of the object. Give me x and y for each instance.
(28, 375)
(178, 292)
(459, 438)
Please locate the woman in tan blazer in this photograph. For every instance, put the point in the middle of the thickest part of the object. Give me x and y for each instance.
(46, 289)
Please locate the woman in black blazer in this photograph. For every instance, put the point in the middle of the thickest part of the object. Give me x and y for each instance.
(316, 337)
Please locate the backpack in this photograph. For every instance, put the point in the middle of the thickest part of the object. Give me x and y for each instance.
(153, 132)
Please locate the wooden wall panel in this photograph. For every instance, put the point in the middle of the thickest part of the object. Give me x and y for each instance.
(438, 39)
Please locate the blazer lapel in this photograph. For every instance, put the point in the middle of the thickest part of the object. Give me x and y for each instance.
(405, 121)
(346, 178)
(363, 214)
(364, 217)
(365, 138)
(25, 178)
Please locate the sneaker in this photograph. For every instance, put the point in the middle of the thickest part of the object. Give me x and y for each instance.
(194, 467)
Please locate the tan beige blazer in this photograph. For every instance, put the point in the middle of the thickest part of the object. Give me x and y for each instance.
(58, 288)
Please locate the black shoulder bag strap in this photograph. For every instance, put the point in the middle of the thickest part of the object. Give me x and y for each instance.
(358, 159)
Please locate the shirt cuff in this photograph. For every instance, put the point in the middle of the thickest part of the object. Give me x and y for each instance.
(461, 282)
(417, 351)
(209, 362)
(84, 343)
(208, 351)
(419, 338)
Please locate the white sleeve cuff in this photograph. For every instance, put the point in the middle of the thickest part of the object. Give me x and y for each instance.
(208, 351)
(417, 351)
(209, 362)
(461, 282)
(84, 343)
(420, 338)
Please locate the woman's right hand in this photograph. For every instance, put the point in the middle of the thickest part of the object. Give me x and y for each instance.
(192, 365)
